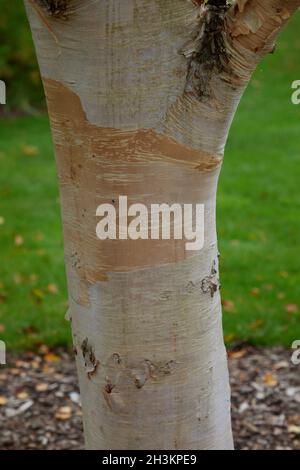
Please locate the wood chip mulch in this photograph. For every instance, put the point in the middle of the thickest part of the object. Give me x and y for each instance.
(40, 402)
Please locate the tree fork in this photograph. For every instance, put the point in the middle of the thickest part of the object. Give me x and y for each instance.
(141, 96)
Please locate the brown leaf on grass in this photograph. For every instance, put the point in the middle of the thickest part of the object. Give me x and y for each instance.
(230, 337)
(33, 278)
(39, 236)
(38, 294)
(283, 274)
(41, 252)
(30, 330)
(256, 324)
(3, 297)
(52, 288)
(237, 354)
(2, 328)
(19, 240)
(281, 295)
(268, 286)
(228, 305)
(35, 364)
(255, 291)
(291, 308)
(18, 278)
(30, 150)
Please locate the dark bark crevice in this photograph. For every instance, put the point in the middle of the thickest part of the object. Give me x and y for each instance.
(209, 53)
(55, 8)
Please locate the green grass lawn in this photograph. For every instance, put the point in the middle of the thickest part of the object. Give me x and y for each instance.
(258, 218)
(32, 264)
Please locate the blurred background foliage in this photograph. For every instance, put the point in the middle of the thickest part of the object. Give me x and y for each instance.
(18, 64)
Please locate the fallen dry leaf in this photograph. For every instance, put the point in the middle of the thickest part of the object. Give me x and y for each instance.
(51, 357)
(281, 365)
(29, 330)
(20, 364)
(30, 150)
(270, 380)
(268, 286)
(41, 387)
(19, 240)
(39, 236)
(2, 328)
(3, 400)
(52, 288)
(41, 252)
(255, 291)
(18, 278)
(281, 295)
(64, 413)
(294, 429)
(228, 305)
(22, 395)
(230, 337)
(35, 364)
(283, 274)
(291, 308)
(38, 294)
(33, 278)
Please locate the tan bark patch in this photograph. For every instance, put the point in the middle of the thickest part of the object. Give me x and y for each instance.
(96, 165)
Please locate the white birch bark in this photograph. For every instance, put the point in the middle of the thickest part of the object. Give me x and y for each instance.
(141, 106)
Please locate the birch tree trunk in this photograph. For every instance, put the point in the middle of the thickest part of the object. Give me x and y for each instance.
(141, 95)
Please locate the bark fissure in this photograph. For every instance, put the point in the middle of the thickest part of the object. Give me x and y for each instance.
(56, 8)
(90, 362)
(207, 52)
(211, 284)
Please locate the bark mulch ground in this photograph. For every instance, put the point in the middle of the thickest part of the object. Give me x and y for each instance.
(40, 403)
